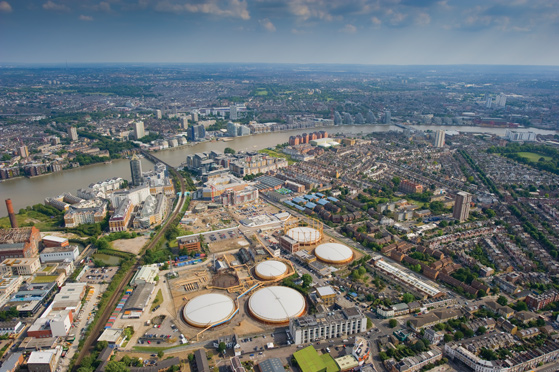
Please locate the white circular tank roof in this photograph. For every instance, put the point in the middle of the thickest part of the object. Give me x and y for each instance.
(208, 309)
(304, 235)
(276, 304)
(270, 269)
(334, 253)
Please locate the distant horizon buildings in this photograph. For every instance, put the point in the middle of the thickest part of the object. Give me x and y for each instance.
(462, 202)
(387, 117)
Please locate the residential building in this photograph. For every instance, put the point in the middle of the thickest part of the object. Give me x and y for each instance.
(196, 133)
(13, 362)
(136, 171)
(239, 197)
(23, 151)
(73, 133)
(85, 212)
(323, 326)
(44, 361)
(439, 138)
(120, 219)
(327, 295)
(20, 266)
(410, 187)
(462, 203)
(139, 131)
(538, 301)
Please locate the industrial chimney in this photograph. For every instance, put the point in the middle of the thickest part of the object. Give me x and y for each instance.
(11, 213)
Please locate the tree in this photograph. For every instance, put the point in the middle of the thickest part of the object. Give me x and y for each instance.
(468, 333)
(382, 355)
(481, 330)
(126, 360)
(396, 181)
(229, 150)
(521, 306)
(101, 345)
(447, 337)
(419, 346)
(392, 323)
(160, 354)
(307, 280)
(458, 335)
(408, 297)
(221, 347)
(113, 366)
(502, 300)
(190, 357)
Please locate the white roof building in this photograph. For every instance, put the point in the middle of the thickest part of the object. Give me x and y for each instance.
(146, 274)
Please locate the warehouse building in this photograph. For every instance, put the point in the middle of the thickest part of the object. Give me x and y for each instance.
(138, 301)
(59, 254)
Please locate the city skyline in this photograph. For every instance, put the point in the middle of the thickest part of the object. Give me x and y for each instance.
(266, 31)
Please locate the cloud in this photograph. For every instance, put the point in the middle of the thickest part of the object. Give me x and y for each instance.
(222, 8)
(349, 29)
(267, 24)
(422, 19)
(51, 5)
(85, 18)
(104, 6)
(376, 21)
(5, 7)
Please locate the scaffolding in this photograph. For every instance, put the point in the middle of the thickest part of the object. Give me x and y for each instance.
(307, 231)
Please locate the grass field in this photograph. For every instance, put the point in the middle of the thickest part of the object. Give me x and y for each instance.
(261, 92)
(39, 220)
(532, 156)
(44, 279)
(277, 154)
(158, 300)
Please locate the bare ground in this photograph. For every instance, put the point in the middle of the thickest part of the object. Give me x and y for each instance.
(130, 245)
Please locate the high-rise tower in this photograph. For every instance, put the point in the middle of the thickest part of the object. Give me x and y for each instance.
(136, 171)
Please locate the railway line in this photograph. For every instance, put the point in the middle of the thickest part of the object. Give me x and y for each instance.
(113, 300)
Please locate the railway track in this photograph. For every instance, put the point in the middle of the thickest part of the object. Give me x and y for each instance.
(113, 300)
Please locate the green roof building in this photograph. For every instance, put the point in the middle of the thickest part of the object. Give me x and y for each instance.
(309, 360)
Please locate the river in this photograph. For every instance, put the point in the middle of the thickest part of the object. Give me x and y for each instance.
(28, 191)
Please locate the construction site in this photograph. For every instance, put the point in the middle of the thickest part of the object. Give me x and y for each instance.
(240, 291)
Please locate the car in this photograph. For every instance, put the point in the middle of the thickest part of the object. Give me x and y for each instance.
(149, 342)
(260, 353)
(251, 354)
(153, 355)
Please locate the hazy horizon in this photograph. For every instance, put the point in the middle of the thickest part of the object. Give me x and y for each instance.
(361, 32)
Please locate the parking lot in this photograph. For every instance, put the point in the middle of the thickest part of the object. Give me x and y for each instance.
(98, 275)
(163, 331)
(222, 235)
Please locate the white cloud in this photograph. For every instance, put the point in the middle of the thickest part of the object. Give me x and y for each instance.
(349, 29)
(51, 5)
(376, 21)
(228, 8)
(85, 18)
(422, 19)
(267, 24)
(5, 7)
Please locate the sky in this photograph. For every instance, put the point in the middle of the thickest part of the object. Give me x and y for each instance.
(400, 32)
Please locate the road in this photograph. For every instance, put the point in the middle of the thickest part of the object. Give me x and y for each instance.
(112, 302)
(80, 324)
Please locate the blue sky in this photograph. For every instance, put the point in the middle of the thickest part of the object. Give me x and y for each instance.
(522, 32)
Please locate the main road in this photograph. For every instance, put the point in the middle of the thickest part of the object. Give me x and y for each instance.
(104, 316)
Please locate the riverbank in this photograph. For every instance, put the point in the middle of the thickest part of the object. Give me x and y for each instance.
(30, 191)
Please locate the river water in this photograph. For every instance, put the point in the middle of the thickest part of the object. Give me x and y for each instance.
(29, 191)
